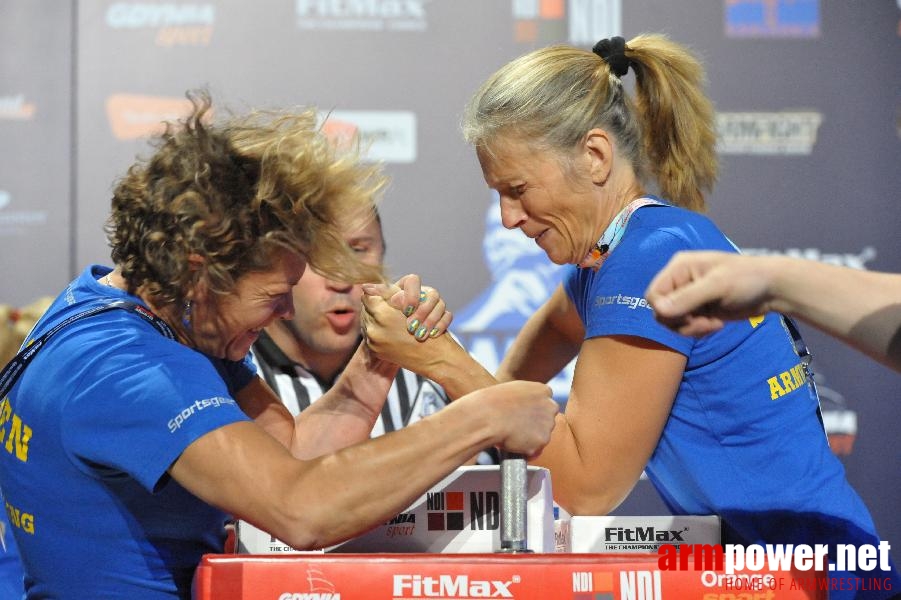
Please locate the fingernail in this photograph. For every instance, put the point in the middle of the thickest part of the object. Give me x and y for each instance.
(409, 311)
(421, 333)
(413, 325)
(434, 332)
(423, 297)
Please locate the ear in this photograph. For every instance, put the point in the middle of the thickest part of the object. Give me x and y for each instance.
(195, 262)
(600, 154)
(195, 266)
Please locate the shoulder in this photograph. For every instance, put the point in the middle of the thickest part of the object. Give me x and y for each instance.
(654, 227)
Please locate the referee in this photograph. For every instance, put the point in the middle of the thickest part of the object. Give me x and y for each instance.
(300, 359)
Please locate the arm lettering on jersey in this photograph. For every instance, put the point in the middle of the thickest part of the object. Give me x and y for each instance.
(19, 519)
(19, 432)
(790, 381)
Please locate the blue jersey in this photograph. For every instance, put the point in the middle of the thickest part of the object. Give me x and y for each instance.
(91, 428)
(10, 566)
(744, 439)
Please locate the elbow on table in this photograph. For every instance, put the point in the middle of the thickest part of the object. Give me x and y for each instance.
(301, 526)
(589, 501)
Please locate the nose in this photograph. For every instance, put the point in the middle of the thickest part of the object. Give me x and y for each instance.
(512, 214)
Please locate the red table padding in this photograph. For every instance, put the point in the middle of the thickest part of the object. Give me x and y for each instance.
(470, 576)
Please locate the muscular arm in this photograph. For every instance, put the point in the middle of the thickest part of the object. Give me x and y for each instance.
(343, 416)
(622, 393)
(697, 291)
(862, 308)
(314, 503)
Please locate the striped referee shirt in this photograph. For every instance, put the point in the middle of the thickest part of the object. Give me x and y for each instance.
(410, 398)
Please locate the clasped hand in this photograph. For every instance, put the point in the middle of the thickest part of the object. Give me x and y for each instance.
(398, 317)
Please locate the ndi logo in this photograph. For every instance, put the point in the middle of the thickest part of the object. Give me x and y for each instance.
(633, 585)
(445, 511)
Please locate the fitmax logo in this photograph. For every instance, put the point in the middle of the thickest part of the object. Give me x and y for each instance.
(451, 586)
(643, 534)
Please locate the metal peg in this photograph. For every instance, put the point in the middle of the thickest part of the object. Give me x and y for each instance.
(514, 498)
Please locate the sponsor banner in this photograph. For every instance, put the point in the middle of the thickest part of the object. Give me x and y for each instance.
(369, 15)
(133, 116)
(640, 534)
(580, 22)
(387, 136)
(15, 221)
(772, 18)
(853, 260)
(775, 133)
(174, 23)
(16, 108)
(514, 577)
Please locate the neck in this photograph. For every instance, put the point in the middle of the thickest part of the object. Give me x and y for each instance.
(168, 313)
(608, 210)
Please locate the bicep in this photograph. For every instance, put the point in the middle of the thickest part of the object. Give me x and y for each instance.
(623, 390)
(622, 393)
(237, 468)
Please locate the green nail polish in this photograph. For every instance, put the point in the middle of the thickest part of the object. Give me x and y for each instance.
(413, 325)
(434, 332)
(408, 311)
(421, 333)
(423, 297)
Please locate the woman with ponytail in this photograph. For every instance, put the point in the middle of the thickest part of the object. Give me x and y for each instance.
(613, 183)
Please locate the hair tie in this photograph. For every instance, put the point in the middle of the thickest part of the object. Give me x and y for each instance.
(613, 51)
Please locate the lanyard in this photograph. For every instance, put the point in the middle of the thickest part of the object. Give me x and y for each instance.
(13, 370)
(614, 233)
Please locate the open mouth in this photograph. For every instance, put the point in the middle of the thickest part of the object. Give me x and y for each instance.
(341, 318)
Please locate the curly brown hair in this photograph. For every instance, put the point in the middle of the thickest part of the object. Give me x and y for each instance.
(235, 193)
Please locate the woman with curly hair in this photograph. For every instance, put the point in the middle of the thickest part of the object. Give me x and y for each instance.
(136, 425)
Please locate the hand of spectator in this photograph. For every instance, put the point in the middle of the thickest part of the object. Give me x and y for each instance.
(696, 292)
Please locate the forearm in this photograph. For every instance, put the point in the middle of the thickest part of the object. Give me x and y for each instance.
(381, 478)
(346, 413)
(863, 308)
(453, 368)
(320, 501)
